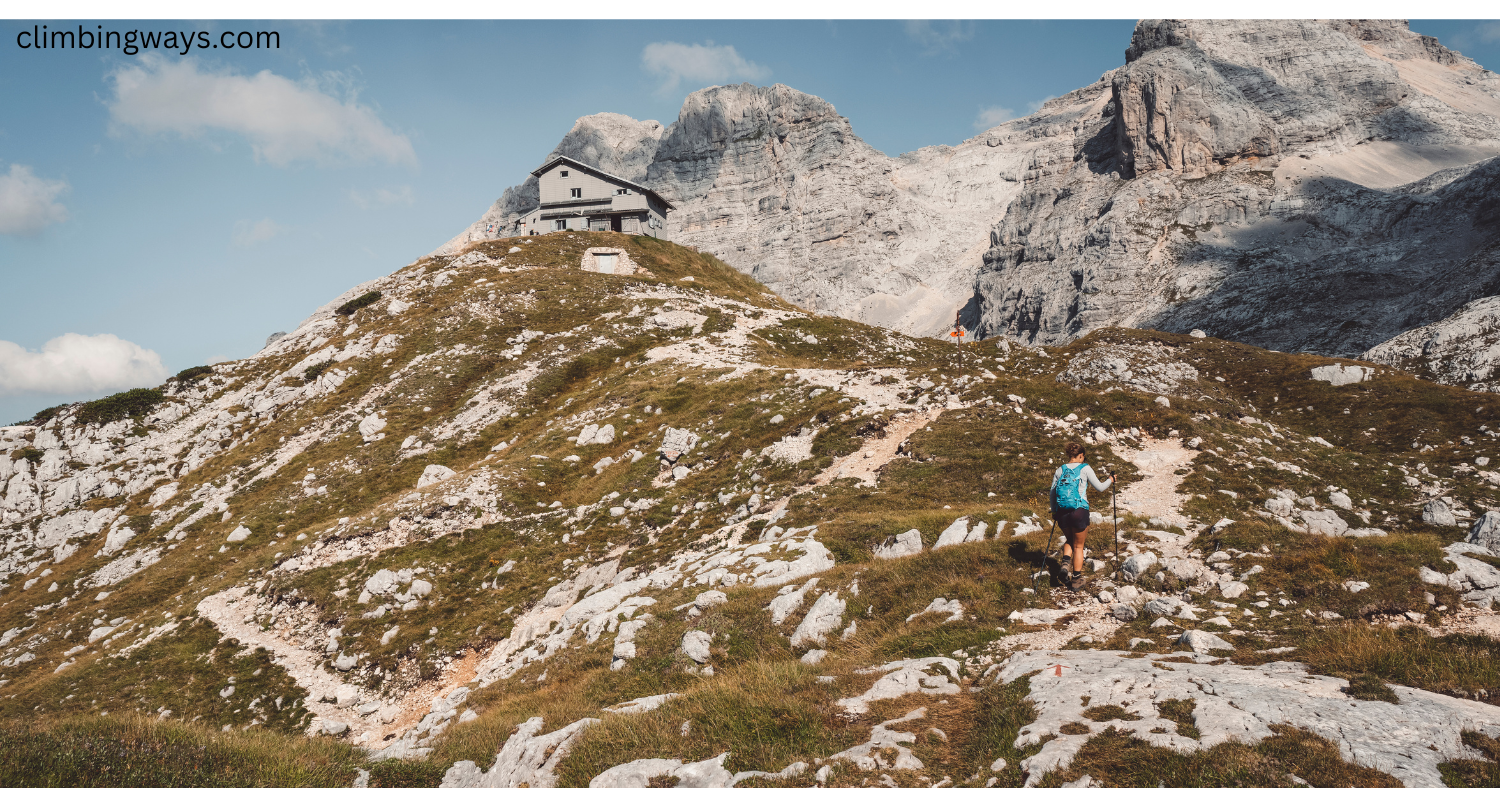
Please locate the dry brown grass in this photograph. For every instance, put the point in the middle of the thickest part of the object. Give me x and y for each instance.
(134, 751)
(766, 715)
(1475, 773)
(1452, 664)
(1117, 760)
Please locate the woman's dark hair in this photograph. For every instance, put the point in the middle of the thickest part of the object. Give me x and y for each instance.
(1074, 449)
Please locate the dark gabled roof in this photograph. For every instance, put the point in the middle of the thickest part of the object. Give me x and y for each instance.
(601, 173)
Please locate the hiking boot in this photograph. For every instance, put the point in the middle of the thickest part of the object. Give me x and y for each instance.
(1077, 581)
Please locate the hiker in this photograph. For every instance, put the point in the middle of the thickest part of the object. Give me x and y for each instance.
(1070, 506)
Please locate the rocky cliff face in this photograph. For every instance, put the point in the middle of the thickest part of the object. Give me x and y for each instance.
(775, 182)
(1296, 185)
(1299, 185)
(1459, 350)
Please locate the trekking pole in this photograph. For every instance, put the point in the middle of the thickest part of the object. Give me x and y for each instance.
(1116, 508)
(1046, 552)
(1036, 582)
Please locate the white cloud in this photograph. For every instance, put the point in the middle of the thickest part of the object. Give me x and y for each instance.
(28, 203)
(284, 121)
(990, 117)
(939, 37)
(1035, 106)
(76, 364)
(381, 198)
(248, 233)
(698, 64)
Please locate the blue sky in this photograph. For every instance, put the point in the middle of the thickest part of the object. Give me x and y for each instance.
(192, 205)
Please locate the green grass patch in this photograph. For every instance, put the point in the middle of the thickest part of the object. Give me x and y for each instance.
(1121, 759)
(131, 751)
(1181, 713)
(357, 303)
(132, 404)
(1368, 687)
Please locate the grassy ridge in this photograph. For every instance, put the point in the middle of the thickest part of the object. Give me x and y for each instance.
(985, 461)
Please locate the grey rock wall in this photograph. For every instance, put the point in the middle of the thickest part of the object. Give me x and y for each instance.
(1459, 350)
(1292, 184)
(1300, 185)
(775, 182)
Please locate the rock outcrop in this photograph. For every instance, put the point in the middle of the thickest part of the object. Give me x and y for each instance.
(1408, 739)
(1297, 185)
(1459, 350)
(1340, 170)
(775, 182)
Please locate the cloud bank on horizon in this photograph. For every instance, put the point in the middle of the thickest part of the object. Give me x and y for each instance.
(78, 364)
(284, 121)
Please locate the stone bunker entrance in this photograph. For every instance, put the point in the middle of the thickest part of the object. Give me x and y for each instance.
(607, 260)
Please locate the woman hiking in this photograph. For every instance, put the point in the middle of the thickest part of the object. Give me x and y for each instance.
(1070, 507)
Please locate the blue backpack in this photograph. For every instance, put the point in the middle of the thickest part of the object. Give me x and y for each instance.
(1065, 492)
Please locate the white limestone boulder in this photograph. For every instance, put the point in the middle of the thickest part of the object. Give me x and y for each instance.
(900, 545)
(952, 607)
(433, 474)
(954, 534)
(1203, 642)
(525, 759)
(1136, 565)
(1438, 512)
(695, 645)
(826, 615)
(1244, 703)
(370, 427)
(1486, 532)
(1340, 375)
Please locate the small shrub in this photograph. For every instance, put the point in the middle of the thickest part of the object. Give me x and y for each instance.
(193, 373)
(1453, 664)
(315, 370)
(1474, 773)
(1488, 745)
(132, 404)
(30, 454)
(130, 750)
(935, 642)
(355, 304)
(406, 774)
(45, 415)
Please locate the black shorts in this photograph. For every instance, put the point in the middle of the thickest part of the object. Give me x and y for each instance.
(1073, 521)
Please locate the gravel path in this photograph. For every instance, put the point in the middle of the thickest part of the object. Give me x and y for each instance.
(1157, 495)
(877, 452)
